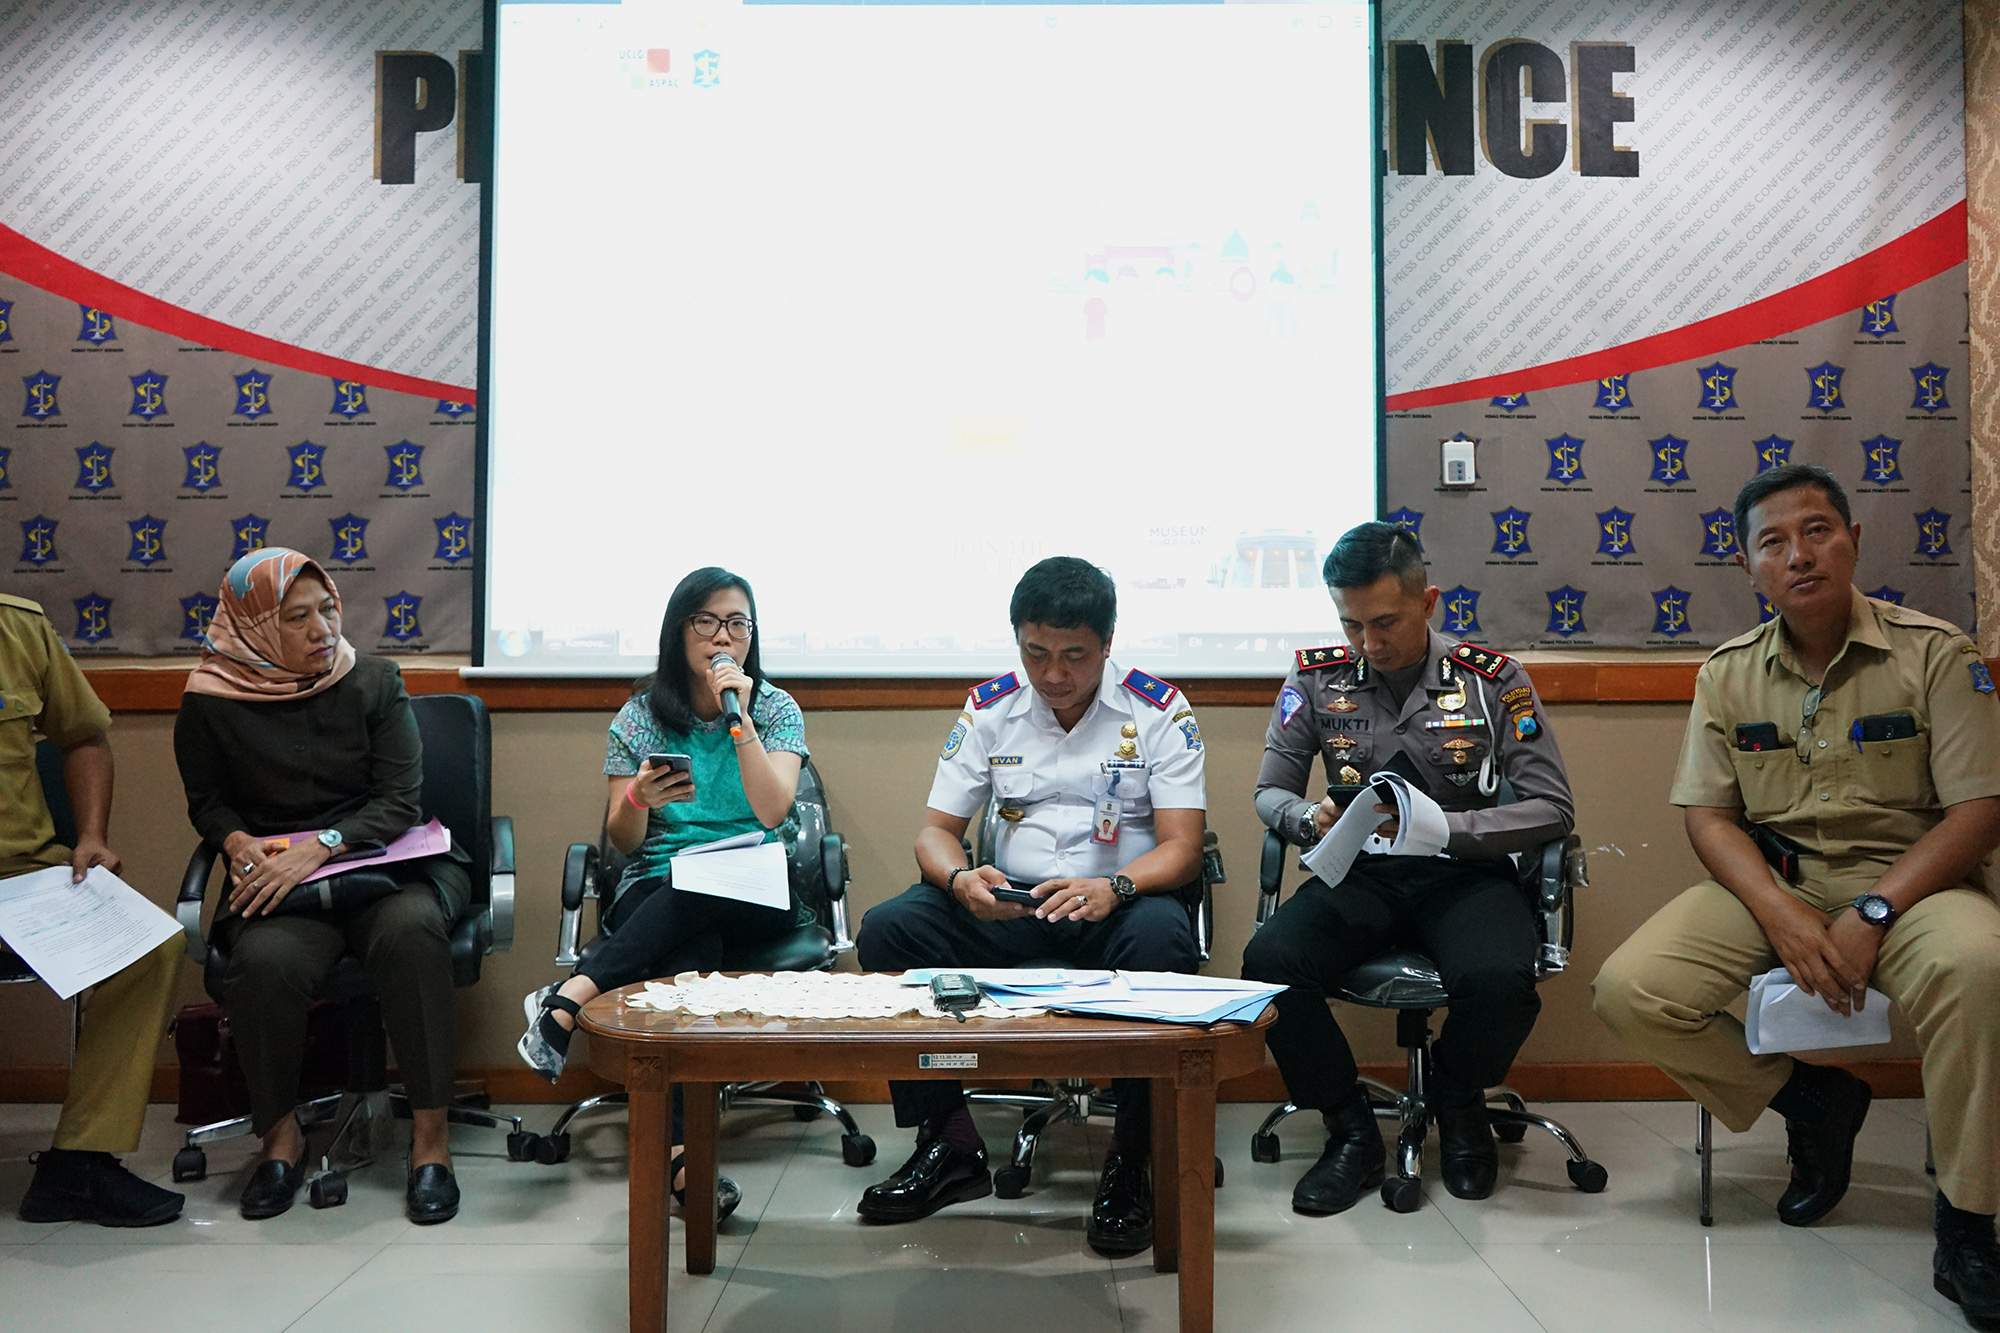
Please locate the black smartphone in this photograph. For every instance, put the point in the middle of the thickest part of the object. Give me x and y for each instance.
(1343, 792)
(679, 763)
(1756, 737)
(1884, 727)
(357, 851)
(1014, 893)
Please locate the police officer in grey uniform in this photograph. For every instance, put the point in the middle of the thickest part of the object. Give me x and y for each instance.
(1466, 718)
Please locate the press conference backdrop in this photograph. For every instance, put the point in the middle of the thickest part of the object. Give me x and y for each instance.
(902, 298)
(1636, 251)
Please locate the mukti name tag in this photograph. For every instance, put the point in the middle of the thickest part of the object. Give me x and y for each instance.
(1104, 819)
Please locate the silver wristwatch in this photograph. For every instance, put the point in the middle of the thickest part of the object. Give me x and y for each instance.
(1308, 826)
(1126, 890)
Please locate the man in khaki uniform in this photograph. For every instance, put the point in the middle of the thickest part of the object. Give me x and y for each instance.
(1869, 736)
(78, 1179)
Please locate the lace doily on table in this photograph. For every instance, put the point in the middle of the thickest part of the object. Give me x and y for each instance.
(802, 995)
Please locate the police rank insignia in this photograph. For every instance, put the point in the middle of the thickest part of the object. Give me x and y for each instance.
(957, 736)
(1290, 701)
(1311, 659)
(997, 688)
(1150, 688)
(1982, 680)
(1486, 663)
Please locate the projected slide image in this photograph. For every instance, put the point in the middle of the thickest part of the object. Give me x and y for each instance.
(878, 305)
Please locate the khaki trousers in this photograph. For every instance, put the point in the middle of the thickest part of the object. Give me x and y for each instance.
(1665, 989)
(111, 1078)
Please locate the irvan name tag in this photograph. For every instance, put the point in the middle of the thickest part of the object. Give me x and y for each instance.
(949, 1060)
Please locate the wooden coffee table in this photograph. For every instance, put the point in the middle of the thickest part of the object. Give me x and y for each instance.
(647, 1051)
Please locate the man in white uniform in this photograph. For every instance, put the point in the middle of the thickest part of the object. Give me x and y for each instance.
(1096, 775)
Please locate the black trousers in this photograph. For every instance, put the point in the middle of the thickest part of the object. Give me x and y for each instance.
(926, 927)
(277, 965)
(1471, 918)
(659, 932)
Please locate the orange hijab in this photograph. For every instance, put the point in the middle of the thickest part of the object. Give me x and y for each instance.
(242, 656)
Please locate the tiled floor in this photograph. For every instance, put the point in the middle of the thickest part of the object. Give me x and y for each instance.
(542, 1248)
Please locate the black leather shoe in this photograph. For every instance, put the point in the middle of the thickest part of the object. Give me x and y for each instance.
(1965, 1268)
(1353, 1162)
(1468, 1158)
(431, 1196)
(935, 1176)
(1121, 1217)
(272, 1187)
(95, 1187)
(1823, 1153)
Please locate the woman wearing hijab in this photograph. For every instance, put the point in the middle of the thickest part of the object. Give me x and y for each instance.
(284, 729)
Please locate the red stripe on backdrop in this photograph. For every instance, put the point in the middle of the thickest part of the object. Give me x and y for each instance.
(44, 268)
(1904, 262)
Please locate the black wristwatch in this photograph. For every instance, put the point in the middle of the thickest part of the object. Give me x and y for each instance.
(1876, 910)
(1126, 890)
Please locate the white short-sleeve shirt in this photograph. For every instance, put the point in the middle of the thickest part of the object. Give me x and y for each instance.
(1008, 743)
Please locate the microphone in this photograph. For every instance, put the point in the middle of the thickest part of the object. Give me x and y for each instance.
(732, 712)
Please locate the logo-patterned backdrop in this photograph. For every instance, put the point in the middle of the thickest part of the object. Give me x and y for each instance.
(221, 160)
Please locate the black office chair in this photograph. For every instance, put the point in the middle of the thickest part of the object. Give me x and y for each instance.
(49, 768)
(1408, 982)
(817, 862)
(1073, 1101)
(458, 791)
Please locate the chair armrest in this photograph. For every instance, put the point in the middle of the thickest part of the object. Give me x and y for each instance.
(1270, 875)
(500, 887)
(1551, 873)
(194, 888)
(833, 866)
(579, 878)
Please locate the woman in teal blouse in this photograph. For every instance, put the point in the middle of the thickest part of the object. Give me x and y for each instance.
(736, 784)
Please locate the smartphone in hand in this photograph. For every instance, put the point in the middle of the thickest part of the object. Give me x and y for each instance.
(1013, 893)
(678, 763)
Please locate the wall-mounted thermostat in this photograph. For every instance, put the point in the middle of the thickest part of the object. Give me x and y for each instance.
(1460, 468)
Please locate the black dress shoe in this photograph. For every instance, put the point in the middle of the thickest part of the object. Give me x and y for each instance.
(1965, 1268)
(272, 1187)
(1822, 1153)
(1353, 1162)
(1121, 1217)
(431, 1196)
(1468, 1158)
(72, 1186)
(935, 1176)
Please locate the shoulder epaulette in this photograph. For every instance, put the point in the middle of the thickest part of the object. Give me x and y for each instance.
(1150, 688)
(1912, 618)
(1745, 639)
(9, 599)
(1483, 660)
(1312, 659)
(997, 688)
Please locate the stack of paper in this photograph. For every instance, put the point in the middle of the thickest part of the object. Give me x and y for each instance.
(745, 868)
(1420, 828)
(1160, 997)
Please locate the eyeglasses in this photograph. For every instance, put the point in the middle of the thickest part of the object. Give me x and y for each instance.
(706, 625)
(1807, 713)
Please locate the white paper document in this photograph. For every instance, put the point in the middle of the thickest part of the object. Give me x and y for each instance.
(744, 868)
(1420, 829)
(76, 935)
(1781, 1017)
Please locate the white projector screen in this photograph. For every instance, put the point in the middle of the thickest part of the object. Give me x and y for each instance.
(877, 304)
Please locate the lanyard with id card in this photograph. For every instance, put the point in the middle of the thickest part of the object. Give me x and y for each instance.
(1114, 776)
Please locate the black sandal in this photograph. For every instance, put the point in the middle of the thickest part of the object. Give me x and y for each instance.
(727, 1195)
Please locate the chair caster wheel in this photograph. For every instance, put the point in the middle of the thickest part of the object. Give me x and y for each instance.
(1263, 1147)
(1401, 1194)
(327, 1190)
(1587, 1176)
(1218, 1173)
(857, 1149)
(190, 1164)
(1010, 1182)
(521, 1146)
(552, 1148)
(807, 1113)
(1510, 1133)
